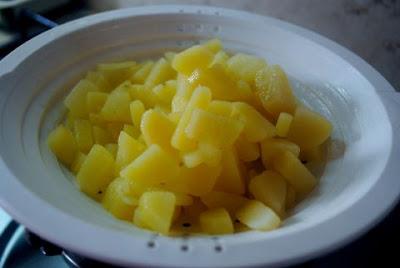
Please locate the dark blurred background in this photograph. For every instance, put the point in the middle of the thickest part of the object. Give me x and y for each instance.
(370, 28)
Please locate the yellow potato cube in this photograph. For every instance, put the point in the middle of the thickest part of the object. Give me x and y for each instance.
(273, 147)
(137, 109)
(76, 99)
(274, 91)
(112, 148)
(290, 197)
(166, 92)
(118, 201)
(62, 143)
(141, 74)
(195, 181)
(231, 179)
(99, 80)
(314, 154)
(216, 221)
(256, 127)
(184, 91)
(95, 101)
(290, 167)
(258, 216)
(138, 219)
(218, 107)
(132, 131)
(160, 73)
(216, 130)
(116, 108)
(128, 150)
(157, 210)
(205, 153)
(153, 167)
(247, 151)
(214, 45)
(116, 73)
(83, 135)
(101, 136)
(200, 98)
(270, 188)
(244, 67)
(77, 163)
(220, 58)
(309, 129)
(231, 202)
(96, 172)
(69, 121)
(158, 129)
(283, 124)
(144, 94)
(194, 57)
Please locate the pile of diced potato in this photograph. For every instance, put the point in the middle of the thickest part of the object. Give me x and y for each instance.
(195, 142)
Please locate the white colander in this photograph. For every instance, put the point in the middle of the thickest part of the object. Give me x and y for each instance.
(359, 185)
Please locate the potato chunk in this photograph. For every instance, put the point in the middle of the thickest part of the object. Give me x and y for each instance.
(270, 148)
(258, 216)
(283, 124)
(216, 221)
(62, 142)
(192, 58)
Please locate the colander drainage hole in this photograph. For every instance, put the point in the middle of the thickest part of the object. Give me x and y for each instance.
(184, 248)
(151, 244)
(218, 248)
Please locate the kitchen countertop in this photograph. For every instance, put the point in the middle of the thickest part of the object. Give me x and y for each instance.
(370, 28)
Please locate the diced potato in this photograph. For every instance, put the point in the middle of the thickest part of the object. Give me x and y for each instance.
(141, 74)
(258, 216)
(166, 92)
(138, 219)
(101, 136)
(160, 73)
(194, 57)
(270, 188)
(137, 109)
(244, 67)
(69, 121)
(99, 80)
(118, 201)
(158, 129)
(96, 172)
(128, 150)
(112, 148)
(274, 91)
(309, 129)
(184, 91)
(272, 147)
(195, 181)
(231, 202)
(283, 124)
(214, 45)
(134, 132)
(231, 179)
(205, 153)
(224, 108)
(220, 58)
(116, 73)
(256, 127)
(62, 142)
(116, 108)
(290, 197)
(77, 163)
(144, 94)
(76, 99)
(247, 151)
(95, 101)
(169, 56)
(153, 167)
(314, 154)
(200, 98)
(157, 210)
(290, 167)
(83, 135)
(216, 221)
(207, 127)
(219, 82)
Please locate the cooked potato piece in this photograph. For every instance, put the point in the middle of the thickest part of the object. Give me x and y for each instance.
(141, 74)
(270, 148)
(101, 136)
(156, 210)
(274, 91)
(216, 221)
(223, 108)
(128, 150)
(62, 142)
(78, 161)
(116, 73)
(245, 67)
(96, 172)
(144, 94)
(116, 107)
(309, 129)
(160, 72)
(137, 109)
(112, 148)
(184, 91)
(99, 80)
(83, 135)
(76, 99)
(231, 202)
(270, 188)
(247, 151)
(95, 101)
(134, 132)
(258, 216)
(192, 58)
(220, 58)
(290, 167)
(283, 124)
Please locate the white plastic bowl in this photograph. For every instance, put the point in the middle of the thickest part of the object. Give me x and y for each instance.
(358, 187)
